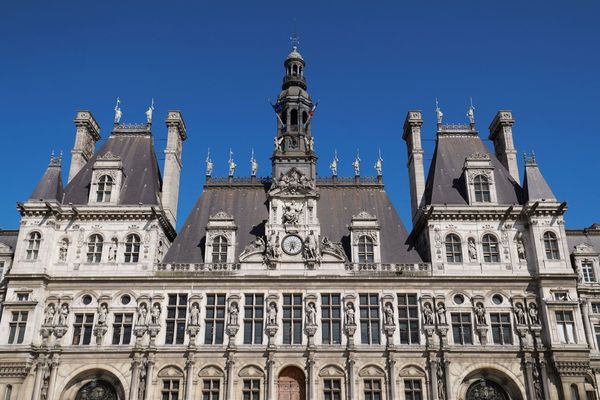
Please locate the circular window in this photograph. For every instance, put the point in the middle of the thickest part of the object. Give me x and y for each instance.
(125, 299)
(459, 298)
(497, 299)
(87, 299)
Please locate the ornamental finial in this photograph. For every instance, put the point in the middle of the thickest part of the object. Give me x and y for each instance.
(209, 164)
(232, 164)
(118, 112)
(438, 112)
(294, 38)
(334, 163)
(253, 164)
(471, 113)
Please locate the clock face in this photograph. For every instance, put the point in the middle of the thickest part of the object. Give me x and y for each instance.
(292, 244)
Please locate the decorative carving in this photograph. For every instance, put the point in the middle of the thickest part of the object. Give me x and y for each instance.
(292, 212)
(350, 314)
(142, 319)
(388, 314)
(533, 314)
(311, 247)
(63, 250)
(427, 314)
(272, 314)
(231, 164)
(441, 382)
(273, 246)
(50, 315)
(113, 249)
(520, 242)
(209, 164)
(118, 112)
(256, 246)
(335, 249)
(233, 314)
(155, 314)
(480, 314)
(334, 164)
(583, 248)
(441, 313)
(292, 182)
(472, 249)
(195, 315)
(311, 314)
(520, 314)
(102, 314)
(356, 164)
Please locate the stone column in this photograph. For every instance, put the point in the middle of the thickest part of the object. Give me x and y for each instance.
(528, 364)
(39, 375)
(189, 376)
(149, 376)
(392, 375)
(433, 366)
(586, 323)
(446, 366)
(229, 389)
(545, 380)
(311, 375)
(52, 381)
(351, 363)
(135, 376)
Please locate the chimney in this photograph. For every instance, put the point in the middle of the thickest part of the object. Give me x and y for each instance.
(501, 135)
(86, 136)
(412, 136)
(176, 134)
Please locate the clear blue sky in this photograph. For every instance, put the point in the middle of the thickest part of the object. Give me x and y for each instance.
(368, 63)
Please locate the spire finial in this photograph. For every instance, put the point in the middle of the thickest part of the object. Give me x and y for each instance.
(56, 160)
(294, 38)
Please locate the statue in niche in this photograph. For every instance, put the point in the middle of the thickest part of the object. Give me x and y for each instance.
(427, 314)
(311, 314)
(195, 314)
(441, 385)
(63, 315)
(311, 244)
(291, 212)
(142, 314)
(537, 386)
(441, 314)
(388, 314)
(519, 240)
(233, 313)
(155, 314)
(112, 250)
(63, 249)
(350, 314)
(480, 314)
(272, 314)
(520, 314)
(142, 384)
(533, 314)
(273, 246)
(472, 249)
(102, 314)
(50, 315)
(277, 141)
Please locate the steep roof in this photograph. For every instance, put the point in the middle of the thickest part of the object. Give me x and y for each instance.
(445, 183)
(142, 180)
(535, 187)
(9, 237)
(588, 236)
(50, 187)
(249, 207)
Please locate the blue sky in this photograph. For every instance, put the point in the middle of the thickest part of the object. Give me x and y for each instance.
(367, 62)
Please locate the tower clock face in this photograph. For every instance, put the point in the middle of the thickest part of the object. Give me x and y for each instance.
(292, 244)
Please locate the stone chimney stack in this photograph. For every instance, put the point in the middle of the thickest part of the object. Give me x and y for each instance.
(176, 134)
(86, 136)
(501, 135)
(412, 136)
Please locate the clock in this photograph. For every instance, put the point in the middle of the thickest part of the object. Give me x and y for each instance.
(292, 244)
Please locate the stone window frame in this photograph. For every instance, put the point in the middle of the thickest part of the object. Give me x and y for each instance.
(476, 165)
(365, 224)
(137, 253)
(413, 372)
(212, 372)
(498, 247)
(554, 238)
(220, 224)
(331, 371)
(369, 372)
(111, 166)
(252, 372)
(87, 248)
(30, 243)
(460, 247)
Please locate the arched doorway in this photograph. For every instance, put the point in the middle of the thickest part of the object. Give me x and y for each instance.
(94, 384)
(484, 389)
(97, 390)
(291, 384)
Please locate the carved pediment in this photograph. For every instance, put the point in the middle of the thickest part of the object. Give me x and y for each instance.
(211, 371)
(412, 371)
(584, 248)
(333, 249)
(371, 370)
(292, 182)
(170, 371)
(221, 216)
(250, 372)
(331, 370)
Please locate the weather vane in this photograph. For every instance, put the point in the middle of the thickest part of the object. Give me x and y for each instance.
(295, 39)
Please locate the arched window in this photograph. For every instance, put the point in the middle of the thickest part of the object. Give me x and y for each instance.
(294, 70)
(104, 190)
(491, 253)
(94, 252)
(551, 246)
(132, 248)
(365, 250)
(304, 117)
(453, 249)
(219, 249)
(33, 245)
(294, 117)
(97, 390)
(300, 71)
(486, 389)
(482, 189)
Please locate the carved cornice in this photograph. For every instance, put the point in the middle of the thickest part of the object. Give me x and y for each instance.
(572, 368)
(14, 369)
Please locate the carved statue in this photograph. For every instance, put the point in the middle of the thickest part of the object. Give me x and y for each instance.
(519, 240)
(533, 314)
(118, 112)
(311, 245)
(253, 164)
(350, 319)
(311, 143)
(333, 165)
(257, 245)
(149, 112)
(356, 165)
(50, 315)
(142, 383)
(272, 314)
(388, 314)
(195, 315)
(155, 315)
(441, 313)
(291, 212)
(441, 384)
(209, 164)
(63, 315)
(112, 250)
(277, 141)
(142, 315)
(335, 248)
(231, 164)
(472, 248)
(438, 112)
(520, 314)
(311, 314)
(537, 385)
(480, 314)
(471, 113)
(427, 314)
(379, 165)
(273, 246)
(233, 314)
(63, 250)
(102, 314)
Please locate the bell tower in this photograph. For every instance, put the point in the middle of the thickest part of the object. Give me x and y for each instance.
(294, 144)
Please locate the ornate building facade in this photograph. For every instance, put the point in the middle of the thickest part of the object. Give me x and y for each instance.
(297, 286)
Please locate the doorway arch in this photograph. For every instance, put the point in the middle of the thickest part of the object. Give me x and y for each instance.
(94, 384)
(291, 384)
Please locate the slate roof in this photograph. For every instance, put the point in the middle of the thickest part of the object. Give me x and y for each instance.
(535, 186)
(9, 237)
(50, 187)
(589, 236)
(142, 180)
(445, 184)
(249, 207)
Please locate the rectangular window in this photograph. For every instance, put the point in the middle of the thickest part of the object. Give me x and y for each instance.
(587, 270)
(292, 318)
(597, 332)
(122, 328)
(82, 329)
(332, 389)
(22, 296)
(501, 328)
(462, 328)
(176, 318)
(251, 389)
(17, 325)
(413, 389)
(254, 309)
(170, 389)
(215, 319)
(596, 308)
(210, 389)
(408, 318)
(565, 326)
(369, 318)
(372, 389)
(331, 319)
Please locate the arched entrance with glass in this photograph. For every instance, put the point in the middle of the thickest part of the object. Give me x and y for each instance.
(94, 384)
(489, 384)
(291, 384)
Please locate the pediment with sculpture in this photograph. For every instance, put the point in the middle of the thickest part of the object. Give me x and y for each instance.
(293, 182)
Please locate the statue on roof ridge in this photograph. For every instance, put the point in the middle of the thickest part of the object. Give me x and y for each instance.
(149, 112)
(118, 112)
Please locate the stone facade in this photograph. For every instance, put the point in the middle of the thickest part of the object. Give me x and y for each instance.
(295, 286)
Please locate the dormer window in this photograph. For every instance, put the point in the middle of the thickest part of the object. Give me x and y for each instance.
(104, 189)
(220, 239)
(481, 186)
(366, 255)
(132, 248)
(364, 235)
(33, 245)
(94, 252)
(219, 249)
(551, 246)
(491, 253)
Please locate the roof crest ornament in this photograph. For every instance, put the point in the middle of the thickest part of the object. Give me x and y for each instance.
(231, 164)
(356, 163)
(294, 37)
(253, 164)
(109, 156)
(438, 112)
(118, 112)
(56, 160)
(471, 113)
(149, 113)
(209, 164)
(529, 160)
(379, 164)
(334, 163)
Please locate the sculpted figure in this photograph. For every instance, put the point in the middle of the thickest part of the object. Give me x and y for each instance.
(231, 164)
(441, 313)
(195, 315)
(273, 246)
(472, 248)
(428, 314)
(389, 314)
(356, 165)
(118, 112)
(471, 114)
(155, 315)
(63, 314)
(253, 166)
(350, 318)
(149, 112)
(311, 246)
(520, 314)
(272, 314)
(440, 383)
(533, 314)
(233, 314)
(480, 314)
(311, 314)
(142, 314)
(209, 164)
(102, 314)
(63, 250)
(333, 166)
(291, 212)
(379, 165)
(520, 246)
(50, 314)
(112, 250)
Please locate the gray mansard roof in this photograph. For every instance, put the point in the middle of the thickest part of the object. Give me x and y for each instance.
(249, 207)
(142, 180)
(535, 186)
(445, 184)
(50, 187)
(589, 236)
